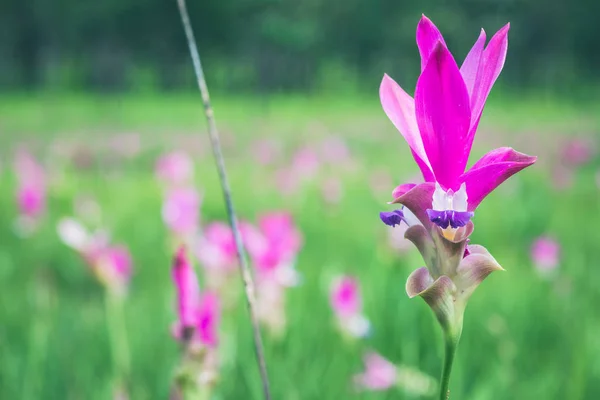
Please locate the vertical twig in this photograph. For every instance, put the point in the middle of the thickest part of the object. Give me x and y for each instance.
(216, 148)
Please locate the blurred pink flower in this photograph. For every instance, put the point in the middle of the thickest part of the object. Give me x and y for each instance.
(175, 168)
(346, 302)
(287, 181)
(345, 297)
(562, 177)
(208, 319)
(306, 163)
(110, 263)
(127, 145)
(576, 152)
(334, 150)
(545, 253)
(216, 248)
(181, 210)
(188, 290)
(379, 373)
(31, 190)
(114, 266)
(273, 247)
(199, 313)
(265, 151)
(274, 244)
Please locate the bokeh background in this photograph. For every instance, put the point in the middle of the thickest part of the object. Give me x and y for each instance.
(95, 92)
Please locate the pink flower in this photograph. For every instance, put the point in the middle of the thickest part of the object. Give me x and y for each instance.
(31, 191)
(287, 181)
(576, 152)
(111, 263)
(272, 247)
(188, 290)
(216, 248)
(345, 297)
(208, 319)
(175, 168)
(265, 151)
(545, 253)
(306, 163)
(346, 302)
(199, 314)
(181, 210)
(335, 151)
(275, 243)
(440, 123)
(379, 374)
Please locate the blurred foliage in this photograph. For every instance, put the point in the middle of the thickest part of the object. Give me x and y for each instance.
(274, 45)
(526, 336)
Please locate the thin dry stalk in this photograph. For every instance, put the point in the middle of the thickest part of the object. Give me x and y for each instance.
(218, 156)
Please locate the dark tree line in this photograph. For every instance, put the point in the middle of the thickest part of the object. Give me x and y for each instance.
(271, 45)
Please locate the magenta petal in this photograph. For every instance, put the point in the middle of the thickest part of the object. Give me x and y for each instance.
(400, 109)
(428, 35)
(188, 290)
(491, 64)
(401, 189)
(443, 116)
(470, 66)
(491, 170)
(418, 200)
(208, 316)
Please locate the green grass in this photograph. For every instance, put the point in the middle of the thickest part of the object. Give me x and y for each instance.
(525, 337)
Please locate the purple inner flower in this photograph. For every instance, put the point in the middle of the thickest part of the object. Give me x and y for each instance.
(392, 218)
(446, 218)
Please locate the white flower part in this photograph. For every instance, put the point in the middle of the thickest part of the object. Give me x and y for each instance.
(459, 201)
(450, 200)
(439, 198)
(358, 326)
(73, 233)
(287, 275)
(410, 218)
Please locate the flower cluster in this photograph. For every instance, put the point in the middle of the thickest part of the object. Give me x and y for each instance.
(439, 125)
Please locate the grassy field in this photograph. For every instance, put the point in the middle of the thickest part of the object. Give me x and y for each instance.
(526, 336)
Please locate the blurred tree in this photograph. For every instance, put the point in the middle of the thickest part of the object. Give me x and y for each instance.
(273, 45)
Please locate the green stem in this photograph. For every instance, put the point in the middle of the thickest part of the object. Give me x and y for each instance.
(451, 344)
(115, 320)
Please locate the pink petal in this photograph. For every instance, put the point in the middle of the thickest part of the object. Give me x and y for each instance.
(470, 66)
(443, 117)
(181, 210)
(491, 170)
(188, 290)
(402, 189)
(400, 109)
(428, 35)
(491, 64)
(418, 200)
(209, 313)
(345, 297)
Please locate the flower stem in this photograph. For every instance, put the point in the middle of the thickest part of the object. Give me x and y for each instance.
(451, 343)
(117, 332)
